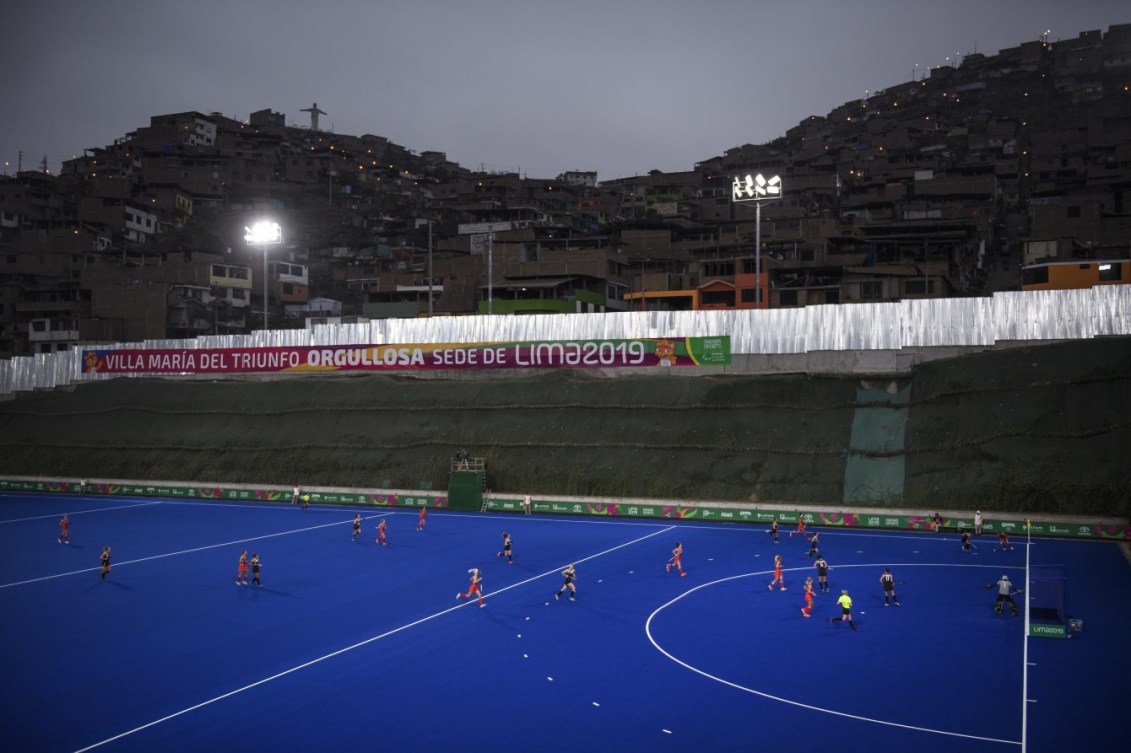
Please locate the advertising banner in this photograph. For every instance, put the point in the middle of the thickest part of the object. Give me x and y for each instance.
(505, 505)
(1046, 630)
(242, 494)
(788, 518)
(583, 354)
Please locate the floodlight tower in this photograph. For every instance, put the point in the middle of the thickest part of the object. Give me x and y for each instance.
(264, 234)
(756, 188)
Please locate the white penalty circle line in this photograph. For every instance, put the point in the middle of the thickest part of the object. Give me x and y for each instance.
(685, 665)
(357, 645)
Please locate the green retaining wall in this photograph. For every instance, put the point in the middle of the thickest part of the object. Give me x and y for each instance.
(877, 459)
(1042, 428)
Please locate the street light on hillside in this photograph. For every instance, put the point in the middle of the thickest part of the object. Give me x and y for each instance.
(643, 284)
(264, 234)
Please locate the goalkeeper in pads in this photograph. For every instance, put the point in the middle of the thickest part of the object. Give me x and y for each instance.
(1005, 592)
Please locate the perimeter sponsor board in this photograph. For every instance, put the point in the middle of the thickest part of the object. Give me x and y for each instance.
(726, 514)
(505, 505)
(558, 508)
(885, 521)
(25, 486)
(1045, 630)
(408, 500)
(578, 354)
(1005, 526)
(640, 511)
(241, 494)
(1114, 532)
(372, 500)
(787, 518)
(1053, 529)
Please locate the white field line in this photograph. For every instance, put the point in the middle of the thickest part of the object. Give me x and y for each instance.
(187, 551)
(685, 665)
(365, 642)
(78, 512)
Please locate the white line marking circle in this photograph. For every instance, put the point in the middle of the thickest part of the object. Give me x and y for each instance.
(752, 691)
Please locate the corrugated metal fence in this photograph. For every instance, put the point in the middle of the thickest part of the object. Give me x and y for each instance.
(1015, 316)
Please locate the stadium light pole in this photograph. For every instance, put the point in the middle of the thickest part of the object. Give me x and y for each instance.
(758, 189)
(263, 234)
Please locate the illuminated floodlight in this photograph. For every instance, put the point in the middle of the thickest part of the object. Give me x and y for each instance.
(263, 233)
(756, 188)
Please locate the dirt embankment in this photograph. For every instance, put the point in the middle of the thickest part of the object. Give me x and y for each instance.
(1039, 428)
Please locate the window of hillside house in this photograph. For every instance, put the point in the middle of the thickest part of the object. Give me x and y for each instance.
(871, 290)
(1110, 271)
(717, 297)
(919, 287)
(1035, 276)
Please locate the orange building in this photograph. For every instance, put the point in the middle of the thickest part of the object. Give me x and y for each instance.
(1066, 275)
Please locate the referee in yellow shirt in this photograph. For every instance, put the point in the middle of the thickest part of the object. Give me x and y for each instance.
(845, 602)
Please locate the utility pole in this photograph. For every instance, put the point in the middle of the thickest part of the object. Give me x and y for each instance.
(429, 268)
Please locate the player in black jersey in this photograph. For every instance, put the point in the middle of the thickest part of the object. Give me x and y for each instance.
(814, 544)
(569, 575)
(506, 549)
(887, 580)
(822, 573)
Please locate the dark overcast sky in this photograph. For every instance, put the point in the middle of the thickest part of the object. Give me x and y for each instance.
(616, 86)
